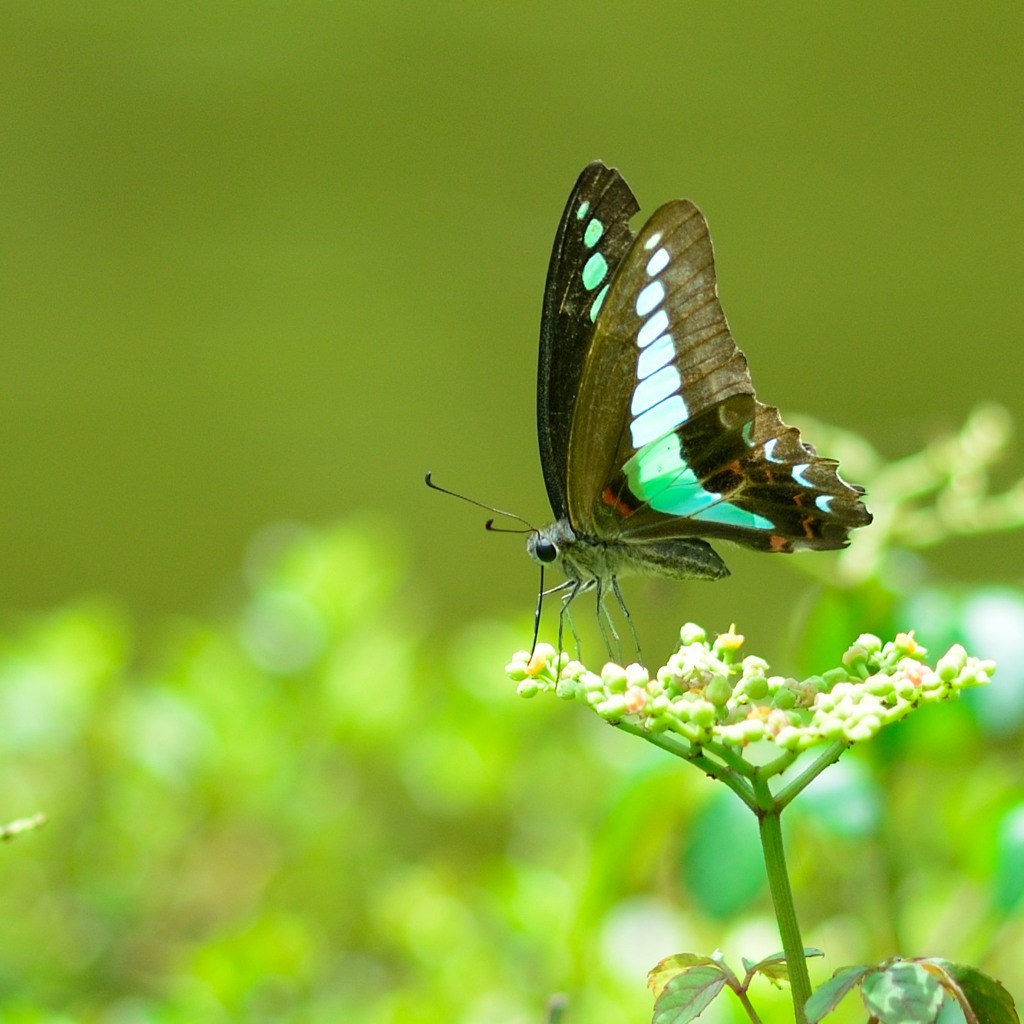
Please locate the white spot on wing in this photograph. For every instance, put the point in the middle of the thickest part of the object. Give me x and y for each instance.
(798, 474)
(657, 422)
(655, 356)
(769, 450)
(652, 241)
(658, 324)
(649, 297)
(657, 263)
(655, 389)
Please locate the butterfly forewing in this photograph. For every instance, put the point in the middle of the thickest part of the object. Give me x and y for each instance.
(592, 238)
(667, 438)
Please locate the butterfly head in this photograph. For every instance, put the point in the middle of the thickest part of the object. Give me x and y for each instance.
(547, 545)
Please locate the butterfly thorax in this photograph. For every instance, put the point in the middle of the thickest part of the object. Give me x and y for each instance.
(589, 559)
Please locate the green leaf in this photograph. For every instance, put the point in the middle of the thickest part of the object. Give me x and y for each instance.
(827, 997)
(774, 967)
(902, 993)
(987, 998)
(688, 994)
(672, 966)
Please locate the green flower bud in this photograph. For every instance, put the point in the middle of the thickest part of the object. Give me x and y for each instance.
(658, 705)
(857, 732)
(752, 730)
(615, 678)
(788, 739)
(756, 687)
(528, 688)
(573, 669)
(691, 633)
(833, 676)
(702, 713)
(813, 685)
(613, 709)
(636, 675)
(566, 689)
(856, 658)
(783, 698)
(879, 685)
(718, 691)
(869, 642)
(904, 688)
(832, 727)
(951, 663)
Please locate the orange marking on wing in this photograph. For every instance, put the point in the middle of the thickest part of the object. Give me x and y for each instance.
(777, 543)
(806, 524)
(612, 500)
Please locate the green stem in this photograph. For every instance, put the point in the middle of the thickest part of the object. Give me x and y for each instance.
(748, 1006)
(688, 752)
(830, 755)
(770, 826)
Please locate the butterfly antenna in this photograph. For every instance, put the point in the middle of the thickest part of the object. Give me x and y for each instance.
(429, 481)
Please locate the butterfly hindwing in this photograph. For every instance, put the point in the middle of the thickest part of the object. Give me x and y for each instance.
(592, 238)
(667, 439)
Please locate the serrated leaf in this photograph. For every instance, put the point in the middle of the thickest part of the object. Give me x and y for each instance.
(986, 996)
(903, 993)
(774, 967)
(827, 997)
(688, 994)
(672, 966)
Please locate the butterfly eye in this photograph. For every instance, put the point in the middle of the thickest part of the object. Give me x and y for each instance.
(545, 550)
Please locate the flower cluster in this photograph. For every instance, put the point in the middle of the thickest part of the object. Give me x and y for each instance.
(706, 694)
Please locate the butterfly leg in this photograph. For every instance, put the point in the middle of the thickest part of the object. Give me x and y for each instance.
(612, 641)
(573, 589)
(566, 616)
(629, 619)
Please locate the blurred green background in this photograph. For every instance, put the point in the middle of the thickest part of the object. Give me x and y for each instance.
(267, 265)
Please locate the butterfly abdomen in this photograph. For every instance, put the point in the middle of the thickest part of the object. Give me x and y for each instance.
(590, 559)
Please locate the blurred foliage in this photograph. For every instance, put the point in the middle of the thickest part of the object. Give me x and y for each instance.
(300, 813)
(307, 810)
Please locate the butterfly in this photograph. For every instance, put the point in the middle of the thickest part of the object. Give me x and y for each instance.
(652, 441)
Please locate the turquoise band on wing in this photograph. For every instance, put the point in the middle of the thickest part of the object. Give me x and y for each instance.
(659, 476)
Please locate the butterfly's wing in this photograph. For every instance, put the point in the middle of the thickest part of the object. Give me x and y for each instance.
(667, 439)
(593, 236)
